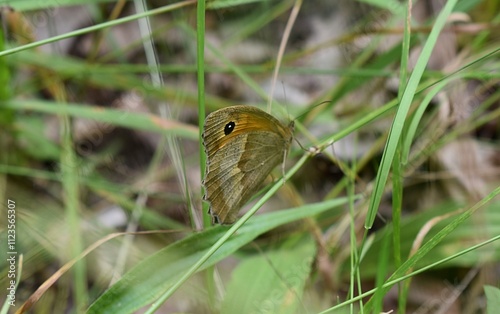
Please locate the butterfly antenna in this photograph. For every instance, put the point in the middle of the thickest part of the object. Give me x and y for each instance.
(309, 109)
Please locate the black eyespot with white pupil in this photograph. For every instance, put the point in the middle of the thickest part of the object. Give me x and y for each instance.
(229, 128)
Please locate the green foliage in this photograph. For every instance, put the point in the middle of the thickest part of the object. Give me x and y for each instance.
(161, 271)
(266, 289)
(492, 299)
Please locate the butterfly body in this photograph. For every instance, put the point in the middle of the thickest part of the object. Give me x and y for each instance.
(243, 145)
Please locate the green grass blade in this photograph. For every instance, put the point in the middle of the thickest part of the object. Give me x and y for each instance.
(133, 120)
(200, 61)
(71, 196)
(416, 118)
(28, 5)
(97, 27)
(398, 124)
(397, 166)
(220, 4)
(382, 262)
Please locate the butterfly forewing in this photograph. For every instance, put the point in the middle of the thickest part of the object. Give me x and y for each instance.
(243, 145)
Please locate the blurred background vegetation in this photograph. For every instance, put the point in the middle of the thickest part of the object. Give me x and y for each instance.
(100, 112)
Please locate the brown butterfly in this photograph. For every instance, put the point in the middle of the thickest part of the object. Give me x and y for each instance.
(243, 145)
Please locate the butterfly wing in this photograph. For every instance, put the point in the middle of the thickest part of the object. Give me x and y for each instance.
(240, 159)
